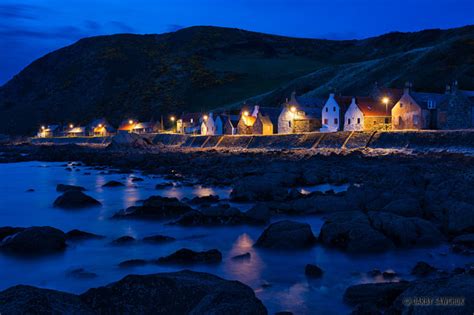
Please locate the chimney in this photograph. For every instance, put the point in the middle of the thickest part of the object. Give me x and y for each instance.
(448, 89)
(331, 95)
(454, 87)
(408, 86)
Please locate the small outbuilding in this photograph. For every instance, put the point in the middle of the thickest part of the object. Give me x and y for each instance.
(300, 115)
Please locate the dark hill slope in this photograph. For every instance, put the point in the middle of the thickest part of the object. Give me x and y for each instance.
(144, 76)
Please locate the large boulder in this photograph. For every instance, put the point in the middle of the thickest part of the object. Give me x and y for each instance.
(459, 217)
(73, 199)
(187, 256)
(183, 292)
(258, 188)
(125, 140)
(352, 232)
(35, 241)
(156, 207)
(405, 232)
(24, 299)
(449, 295)
(286, 235)
(78, 235)
(379, 294)
(8, 230)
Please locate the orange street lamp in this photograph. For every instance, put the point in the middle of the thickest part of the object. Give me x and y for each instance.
(100, 126)
(71, 126)
(385, 100)
(43, 127)
(205, 117)
(246, 113)
(172, 118)
(293, 109)
(130, 122)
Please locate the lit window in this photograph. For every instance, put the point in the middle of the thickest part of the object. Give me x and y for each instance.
(431, 104)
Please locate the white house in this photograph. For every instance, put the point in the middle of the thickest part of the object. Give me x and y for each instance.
(300, 115)
(333, 112)
(219, 123)
(354, 117)
(208, 126)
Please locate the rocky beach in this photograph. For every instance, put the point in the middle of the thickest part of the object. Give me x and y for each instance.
(378, 231)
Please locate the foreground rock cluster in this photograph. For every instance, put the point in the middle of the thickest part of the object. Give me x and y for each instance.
(184, 292)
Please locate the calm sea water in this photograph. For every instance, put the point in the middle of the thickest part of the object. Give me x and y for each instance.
(276, 276)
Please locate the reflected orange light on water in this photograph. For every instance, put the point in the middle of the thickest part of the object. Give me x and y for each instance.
(249, 270)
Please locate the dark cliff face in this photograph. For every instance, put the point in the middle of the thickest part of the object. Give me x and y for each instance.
(199, 68)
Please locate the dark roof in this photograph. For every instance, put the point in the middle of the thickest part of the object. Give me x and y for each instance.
(422, 98)
(271, 112)
(186, 117)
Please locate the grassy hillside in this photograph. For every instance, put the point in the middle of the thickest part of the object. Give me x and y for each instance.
(199, 68)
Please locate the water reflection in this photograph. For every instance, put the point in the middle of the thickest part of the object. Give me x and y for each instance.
(294, 298)
(246, 270)
(324, 188)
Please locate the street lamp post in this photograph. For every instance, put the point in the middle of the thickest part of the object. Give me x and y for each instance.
(385, 100)
(172, 118)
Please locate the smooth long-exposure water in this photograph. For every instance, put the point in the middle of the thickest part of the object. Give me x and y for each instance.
(276, 276)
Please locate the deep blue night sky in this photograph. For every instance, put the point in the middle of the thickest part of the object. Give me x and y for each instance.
(30, 29)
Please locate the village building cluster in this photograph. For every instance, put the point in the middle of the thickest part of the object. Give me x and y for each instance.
(382, 109)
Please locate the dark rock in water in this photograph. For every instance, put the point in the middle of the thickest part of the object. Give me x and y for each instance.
(351, 231)
(69, 169)
(451, 295)
(164, 185)
(405, 232)
(375, 273)
(466, 240)
(183, 292)
(24, 299)
(204, 199)
(30, 190)
(379, 294)
(78, 235)
(75, 199)
(286, 235)
(80, 273)
(133, 263)
(137, 179)
(258, 188)
(366, 309)
(217, 215)
(389, 274)
(113, 183)
(245, 256)
(284, 313)
(35, 241)
(87, 173)
(158, 239)
(8, 230)
(458, 217)
(422, 269)
(258, 214)
(187, 256)
(127, 239)
(156, 207)
(313, 271)
(64, 188)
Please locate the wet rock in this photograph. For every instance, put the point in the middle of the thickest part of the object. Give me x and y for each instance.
(352, 232)
(8, 230)
(374, 273)
(286, 235)
(30, 190)
(366, 309)
(204, 199)
(284, 313)
(158, 239)
(389, 274)
(378, 294)
(187, 256)
(405, 232)
(407, 207)
(450, 295)
(73, 199)
(258, 188)
(459, 217)
(64, 188)
(258, 214)
(422, 269)
(133, 263)
(156, 207)
(137, 179)
(123, 240)
(24, 299)
(245, 256)
(35, 240)
(113, 183)
(164, 185)
(313, 271)
(183, 292)
(216, 215)
(78, 235)
(81, 273)
(466, 240)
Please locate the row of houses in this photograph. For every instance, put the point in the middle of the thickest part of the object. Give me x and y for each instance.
(97, 128)
(382, 109)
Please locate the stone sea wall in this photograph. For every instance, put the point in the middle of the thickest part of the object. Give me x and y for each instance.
(453, 140)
